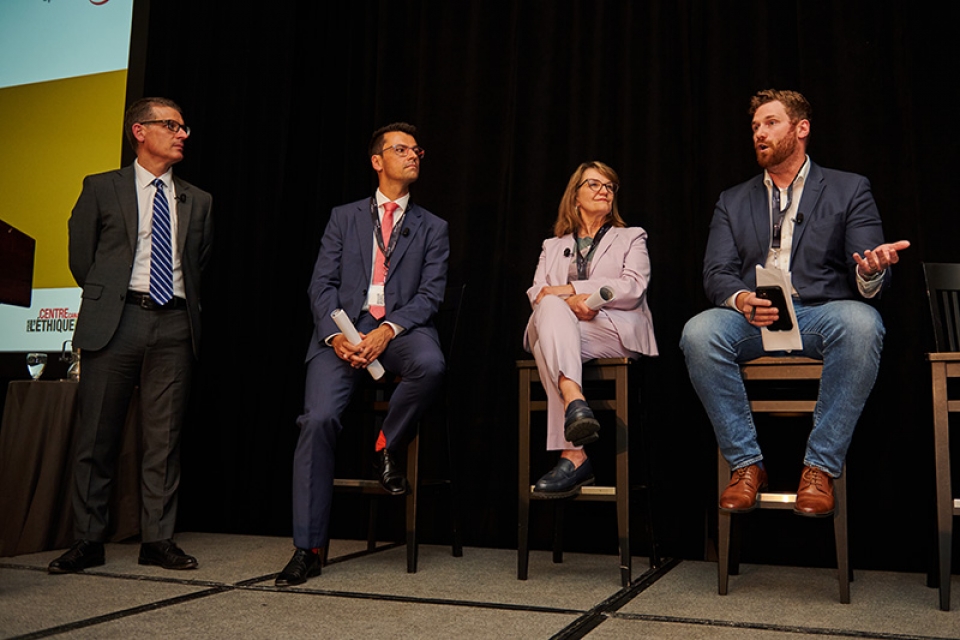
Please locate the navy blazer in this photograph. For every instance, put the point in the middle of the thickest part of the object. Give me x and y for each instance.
(840, 217)
(415, 281)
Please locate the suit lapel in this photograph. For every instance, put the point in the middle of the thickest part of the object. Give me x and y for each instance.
(184, 208)
(812, 189)
(760, 215)
(125, 184)
(364, 227)
(412, 220)
(559, 267)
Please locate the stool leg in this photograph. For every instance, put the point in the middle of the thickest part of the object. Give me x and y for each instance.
(523, 467)
(413, 479)
(941, 439)
(844, 571)
(723, 528)
(623, 480)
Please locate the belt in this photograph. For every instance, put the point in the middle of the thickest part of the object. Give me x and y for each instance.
(144, 301)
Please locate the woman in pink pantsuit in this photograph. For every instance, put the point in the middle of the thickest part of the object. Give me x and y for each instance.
(593, 248)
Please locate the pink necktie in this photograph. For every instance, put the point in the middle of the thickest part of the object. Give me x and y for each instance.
(380, 266)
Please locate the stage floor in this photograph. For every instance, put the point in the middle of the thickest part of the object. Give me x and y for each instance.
(370, 596)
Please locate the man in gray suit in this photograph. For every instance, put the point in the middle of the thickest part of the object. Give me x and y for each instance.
(138, 240)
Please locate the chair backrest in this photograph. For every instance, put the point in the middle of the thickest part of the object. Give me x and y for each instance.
(943, 291)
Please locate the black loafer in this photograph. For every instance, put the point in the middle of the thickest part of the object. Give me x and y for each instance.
(304, 564)
(564, 480)
(391, 476)
(82, 555)
(166, 554)
(580, 427)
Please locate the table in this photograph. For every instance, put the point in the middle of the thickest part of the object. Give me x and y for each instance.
(36, 479)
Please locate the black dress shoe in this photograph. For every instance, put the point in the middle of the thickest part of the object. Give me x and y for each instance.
(82, 555)
(166, 554)
(580, 427)
(391, 477)
(564, 480)
(304, 564)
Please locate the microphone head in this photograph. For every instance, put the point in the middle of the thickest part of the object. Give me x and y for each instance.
(799, 217)
(405, 233)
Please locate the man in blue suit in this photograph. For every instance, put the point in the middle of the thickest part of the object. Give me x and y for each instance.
(824, 228)
(383, 260)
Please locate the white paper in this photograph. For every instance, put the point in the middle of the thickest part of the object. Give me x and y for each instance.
(600, 297)
(780, 340)
(350, 333)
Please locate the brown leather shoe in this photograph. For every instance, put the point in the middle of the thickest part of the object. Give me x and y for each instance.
(815, 495)
(740, 496)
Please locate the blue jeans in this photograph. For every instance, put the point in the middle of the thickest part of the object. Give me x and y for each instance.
(846, 335)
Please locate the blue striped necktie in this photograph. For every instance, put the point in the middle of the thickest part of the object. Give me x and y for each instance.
(161, 249)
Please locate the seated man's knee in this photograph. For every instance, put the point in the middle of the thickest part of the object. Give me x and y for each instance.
(860, 322)
(699, 332)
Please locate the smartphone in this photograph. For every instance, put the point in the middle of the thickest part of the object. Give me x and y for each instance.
(775, 295)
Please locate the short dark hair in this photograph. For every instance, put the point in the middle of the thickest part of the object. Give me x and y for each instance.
(142, 110)
(376, 140)
(793, 102)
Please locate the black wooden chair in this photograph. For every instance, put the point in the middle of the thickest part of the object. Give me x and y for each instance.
(943, 292)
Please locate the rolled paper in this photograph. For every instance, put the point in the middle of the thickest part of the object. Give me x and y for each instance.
(350, 333)
(600, 297)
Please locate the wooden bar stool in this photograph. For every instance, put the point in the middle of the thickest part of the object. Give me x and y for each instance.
(376, 401)
(943, 293)
(781, 369)
(602, 369)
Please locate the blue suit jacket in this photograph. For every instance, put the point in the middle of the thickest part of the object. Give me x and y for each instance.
(415, 281)
(840, 217)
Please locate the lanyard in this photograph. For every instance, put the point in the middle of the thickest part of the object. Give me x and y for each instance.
(582, 260)
(775, 206)
(387, 250)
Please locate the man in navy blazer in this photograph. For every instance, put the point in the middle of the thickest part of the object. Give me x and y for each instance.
(383, 260)
(136, 328)
(823, 227)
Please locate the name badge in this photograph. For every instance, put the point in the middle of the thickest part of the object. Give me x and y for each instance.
(375, 296)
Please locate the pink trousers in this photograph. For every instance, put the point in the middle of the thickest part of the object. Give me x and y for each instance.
(560, 344)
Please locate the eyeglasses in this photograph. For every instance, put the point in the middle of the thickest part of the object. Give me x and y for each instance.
(403, 150)
(596, 185)
(171, 125)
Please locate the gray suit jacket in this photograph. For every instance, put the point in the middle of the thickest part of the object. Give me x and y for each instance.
(103, 239)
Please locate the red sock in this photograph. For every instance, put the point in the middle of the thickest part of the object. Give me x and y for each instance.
(381, 442)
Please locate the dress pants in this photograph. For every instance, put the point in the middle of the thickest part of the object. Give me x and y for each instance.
(416, 356)
(151, 349)
(560, 344)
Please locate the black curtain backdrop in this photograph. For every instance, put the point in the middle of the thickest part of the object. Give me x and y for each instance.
(509, 98)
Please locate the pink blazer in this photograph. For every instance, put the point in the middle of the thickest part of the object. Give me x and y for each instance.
(620, 262)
